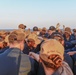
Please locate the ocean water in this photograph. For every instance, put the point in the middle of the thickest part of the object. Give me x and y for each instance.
(26, 29)
(10, 29)
(7, 29)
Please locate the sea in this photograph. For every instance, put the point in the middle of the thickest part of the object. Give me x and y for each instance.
(11, 29)
(26, 29)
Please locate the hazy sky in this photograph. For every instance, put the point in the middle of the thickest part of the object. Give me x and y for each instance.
(41, 13)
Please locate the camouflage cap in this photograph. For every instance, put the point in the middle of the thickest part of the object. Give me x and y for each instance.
(35, 38)
(74, 30)
(50, 47)
(2, 32)
(44, 29)
(22, 26)
(68, 30)
(16, 36)
(54, 34)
